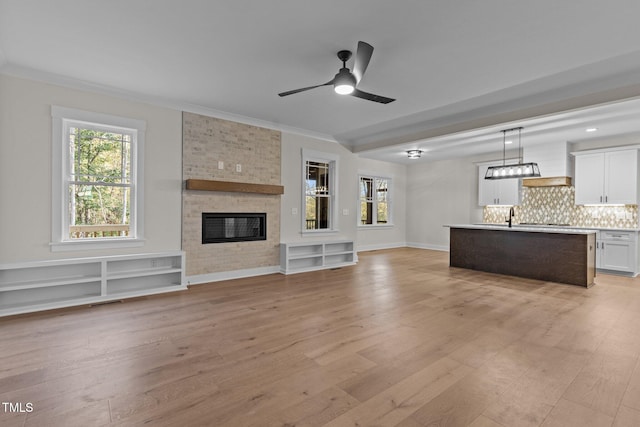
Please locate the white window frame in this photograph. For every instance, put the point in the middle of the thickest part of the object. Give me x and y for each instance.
(62, 119)
(333, 161)
(375, 224)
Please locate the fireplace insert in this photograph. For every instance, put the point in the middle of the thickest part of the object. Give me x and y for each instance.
(223, 227)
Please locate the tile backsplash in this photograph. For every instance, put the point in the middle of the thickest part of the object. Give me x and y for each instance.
(556, 205)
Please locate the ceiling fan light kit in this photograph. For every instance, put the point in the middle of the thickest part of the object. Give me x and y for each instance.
(346, 82)
(414, 154)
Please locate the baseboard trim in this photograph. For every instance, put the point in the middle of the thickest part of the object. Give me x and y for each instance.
(377, 247)
(428, 246)
(199, 279)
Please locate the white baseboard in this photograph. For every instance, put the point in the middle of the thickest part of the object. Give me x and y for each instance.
(228, 275)
(428, 246)
(365, 248)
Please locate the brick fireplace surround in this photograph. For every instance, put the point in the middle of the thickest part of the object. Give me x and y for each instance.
(206, 142)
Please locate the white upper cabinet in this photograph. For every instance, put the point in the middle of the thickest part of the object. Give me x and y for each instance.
(609, 177)
(621, 177)
(498, 191)
(589, 179)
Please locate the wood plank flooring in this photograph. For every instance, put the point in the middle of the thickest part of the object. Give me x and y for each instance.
(401, 339)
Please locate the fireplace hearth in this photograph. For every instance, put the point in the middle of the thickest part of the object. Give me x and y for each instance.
(223, 227)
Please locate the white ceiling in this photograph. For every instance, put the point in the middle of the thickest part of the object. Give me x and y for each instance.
(460, 70)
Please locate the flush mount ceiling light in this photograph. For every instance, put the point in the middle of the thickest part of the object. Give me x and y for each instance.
(591, 129)
(414, 154)
(520, 170)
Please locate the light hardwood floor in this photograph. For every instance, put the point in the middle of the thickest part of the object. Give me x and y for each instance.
(400, 339)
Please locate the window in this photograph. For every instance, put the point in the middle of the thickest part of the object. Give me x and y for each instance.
(375, 203)
(319, 196)
(97, 196)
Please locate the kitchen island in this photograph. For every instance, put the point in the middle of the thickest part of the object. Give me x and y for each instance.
(563, 255)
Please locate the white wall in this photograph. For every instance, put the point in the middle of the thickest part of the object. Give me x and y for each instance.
(426, 196)
(371, 238)
(439, 193)
(291, 225)
(25, 168)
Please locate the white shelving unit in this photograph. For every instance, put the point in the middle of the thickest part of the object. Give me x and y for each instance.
(43, 285)
(309, 256)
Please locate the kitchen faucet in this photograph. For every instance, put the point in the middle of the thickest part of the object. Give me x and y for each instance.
(511, 215)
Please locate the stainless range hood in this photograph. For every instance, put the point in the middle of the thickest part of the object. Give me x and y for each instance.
(553, 181)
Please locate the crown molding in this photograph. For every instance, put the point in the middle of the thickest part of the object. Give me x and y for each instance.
(78, 84)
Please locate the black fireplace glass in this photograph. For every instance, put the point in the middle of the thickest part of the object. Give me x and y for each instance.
(223, 227)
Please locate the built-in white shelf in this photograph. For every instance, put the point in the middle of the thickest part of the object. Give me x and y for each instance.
(309, 256)
(44, 285)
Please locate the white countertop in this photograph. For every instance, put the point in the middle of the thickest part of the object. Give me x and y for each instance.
(527, 228)
(575, 227)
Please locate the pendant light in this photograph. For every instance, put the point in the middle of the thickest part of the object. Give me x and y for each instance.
(520, 170)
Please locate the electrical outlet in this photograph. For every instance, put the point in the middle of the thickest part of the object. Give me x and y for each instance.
(155, 263)
(220, 164)
(238, 167)
(345, 212)
(294, 211)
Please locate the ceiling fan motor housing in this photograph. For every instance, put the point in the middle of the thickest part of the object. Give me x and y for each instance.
(344, 77)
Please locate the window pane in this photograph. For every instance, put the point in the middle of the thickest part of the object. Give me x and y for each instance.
(382, 194)
(383, 214)
(317, 212)
(366, 212)
(98, 211)
(97, 159)
(374, 200)
(317, 190)
(366, 200)
(366, 188)
(311, 218)
(381, 190)
(317, 178)
(99, 156)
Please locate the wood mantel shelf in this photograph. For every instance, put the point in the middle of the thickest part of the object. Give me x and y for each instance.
(237, 187)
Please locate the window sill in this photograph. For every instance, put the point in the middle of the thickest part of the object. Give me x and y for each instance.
(376, 227)
(82, 245)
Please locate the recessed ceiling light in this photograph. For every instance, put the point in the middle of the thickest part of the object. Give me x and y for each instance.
(591, 129)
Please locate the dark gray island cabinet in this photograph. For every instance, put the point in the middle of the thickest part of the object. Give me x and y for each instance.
(549, 254)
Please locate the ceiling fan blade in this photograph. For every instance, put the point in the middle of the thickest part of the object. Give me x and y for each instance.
(363, 56)
(371, 97)
(291, 92)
